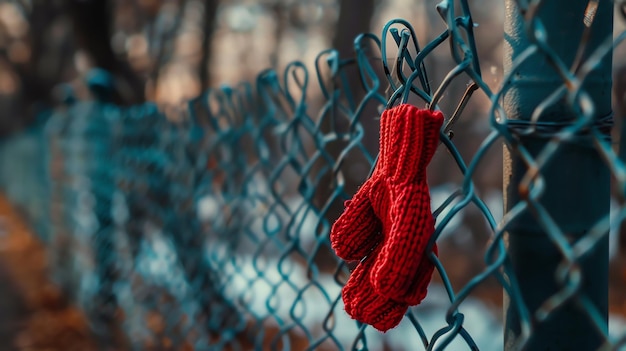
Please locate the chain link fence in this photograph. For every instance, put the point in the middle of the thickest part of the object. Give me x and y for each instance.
(207, 226)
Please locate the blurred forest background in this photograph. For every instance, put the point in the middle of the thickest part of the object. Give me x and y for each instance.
(170, 50)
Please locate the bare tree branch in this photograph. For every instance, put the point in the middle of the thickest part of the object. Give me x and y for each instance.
(167, 40)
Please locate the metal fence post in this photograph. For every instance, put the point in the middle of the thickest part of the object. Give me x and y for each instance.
(576, 180)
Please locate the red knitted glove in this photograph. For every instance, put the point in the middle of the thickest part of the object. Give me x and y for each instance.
(391, 210)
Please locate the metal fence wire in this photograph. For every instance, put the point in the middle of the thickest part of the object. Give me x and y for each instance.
(207, 227)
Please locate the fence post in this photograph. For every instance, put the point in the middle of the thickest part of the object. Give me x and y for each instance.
(577, 182)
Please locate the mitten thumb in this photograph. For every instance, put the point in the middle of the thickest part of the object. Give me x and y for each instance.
(357, 231)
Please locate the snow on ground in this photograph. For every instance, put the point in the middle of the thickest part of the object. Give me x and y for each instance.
(272, 289)
(262, 278)
(617, 329)
(280, 284)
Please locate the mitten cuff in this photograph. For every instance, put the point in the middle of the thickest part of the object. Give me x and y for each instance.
(409, 136)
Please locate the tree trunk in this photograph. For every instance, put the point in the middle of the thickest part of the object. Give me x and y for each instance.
(92, 29)
(355, 17)
(210, 15)
(620, 112)
(36, 77)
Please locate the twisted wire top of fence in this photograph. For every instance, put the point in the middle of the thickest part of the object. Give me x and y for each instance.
(207, 226)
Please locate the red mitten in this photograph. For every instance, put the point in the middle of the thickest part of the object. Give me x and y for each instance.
(391, 211)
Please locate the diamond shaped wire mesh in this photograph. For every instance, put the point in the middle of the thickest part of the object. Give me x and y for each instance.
(206, 227)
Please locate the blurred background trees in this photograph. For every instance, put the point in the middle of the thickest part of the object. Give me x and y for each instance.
(170, 50)
(160, 50)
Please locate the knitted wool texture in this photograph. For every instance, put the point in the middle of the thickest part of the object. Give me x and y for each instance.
(388, 222)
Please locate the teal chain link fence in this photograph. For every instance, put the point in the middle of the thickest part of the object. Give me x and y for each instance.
(206, 226)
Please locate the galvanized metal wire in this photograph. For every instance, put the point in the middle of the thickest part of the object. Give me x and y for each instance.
(206, 227)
